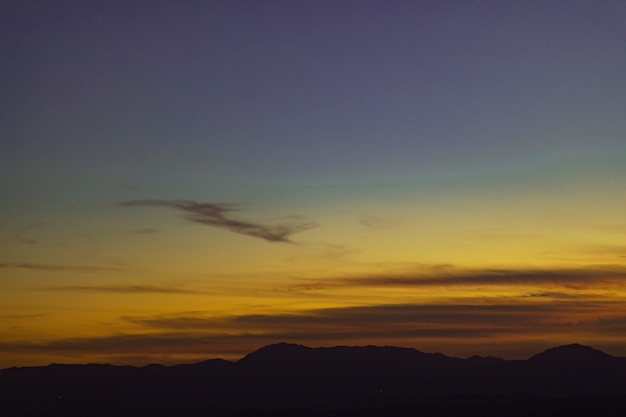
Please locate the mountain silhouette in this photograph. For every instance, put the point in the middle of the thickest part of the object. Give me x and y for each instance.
(290, 379)
(572, 354)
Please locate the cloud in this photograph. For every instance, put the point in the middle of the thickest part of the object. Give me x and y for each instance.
(59, 268)
(216, 215)
(449, 320)
(24, 316)
(20, 235)
(144, 231)
(573, 278)
(603, 250)
(458, 329)
(563, 295)
(145, 344)
(124, 289)
(499, 233)
(327, 327)
(595, 277)
(375, 222)
(322, 252)
(412, 323)
(614, 324)
(562, 305)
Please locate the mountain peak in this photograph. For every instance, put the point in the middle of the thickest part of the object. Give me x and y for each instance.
(483, 359)
(278, 351)
(571, 353)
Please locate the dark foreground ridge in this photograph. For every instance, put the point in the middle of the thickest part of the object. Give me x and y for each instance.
(295, 380)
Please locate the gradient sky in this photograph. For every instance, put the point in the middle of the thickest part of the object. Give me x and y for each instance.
(187, 180)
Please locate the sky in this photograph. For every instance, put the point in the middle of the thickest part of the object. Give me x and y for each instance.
(197, 179)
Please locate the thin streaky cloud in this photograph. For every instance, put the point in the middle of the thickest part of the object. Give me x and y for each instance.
(409, 321)
(58, 268)
(375, 222)
(145, 231)
(123, 289)
(561, 295)
(24, 316)
(592, 277)
(217, 215)
(574, 278)
(406, 323)
(191, 343)
(20, 236)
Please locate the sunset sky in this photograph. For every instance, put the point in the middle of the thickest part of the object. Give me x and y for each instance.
(183, 180)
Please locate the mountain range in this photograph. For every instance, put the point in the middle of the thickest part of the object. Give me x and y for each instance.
(288, 379)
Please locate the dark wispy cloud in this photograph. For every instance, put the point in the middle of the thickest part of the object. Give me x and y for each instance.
(218, 215)
(144, 344)
(123, 289)
(397, 320)
(560, 295)
(457, 329)
(59, 268)
(565, 305)
(573, 278)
